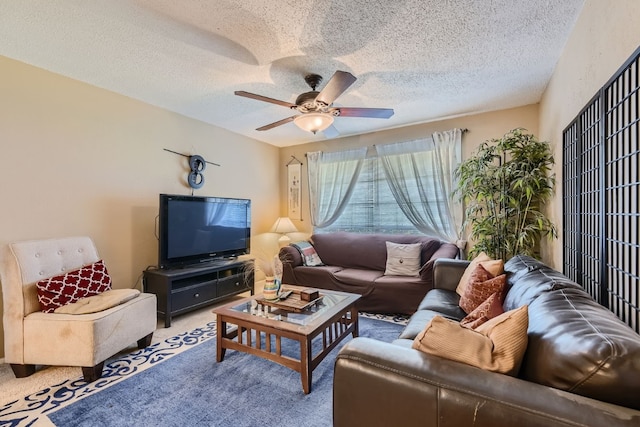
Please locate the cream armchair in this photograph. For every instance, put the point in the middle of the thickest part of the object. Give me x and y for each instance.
(32, 337)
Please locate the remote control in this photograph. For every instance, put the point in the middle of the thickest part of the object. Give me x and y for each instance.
(285, 295)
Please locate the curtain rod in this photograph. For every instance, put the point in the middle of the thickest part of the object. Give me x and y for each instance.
(464, 130)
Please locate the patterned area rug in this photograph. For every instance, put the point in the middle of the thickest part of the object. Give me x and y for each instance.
(35, 409)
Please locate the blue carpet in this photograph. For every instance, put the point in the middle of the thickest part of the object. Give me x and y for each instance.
(192, 389)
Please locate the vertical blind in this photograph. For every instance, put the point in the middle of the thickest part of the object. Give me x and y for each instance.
(372, 207)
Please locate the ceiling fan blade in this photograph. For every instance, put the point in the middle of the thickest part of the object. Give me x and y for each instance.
(340, 81)
(278, 123)
(376, 113)
(264, 98)
(331, 132)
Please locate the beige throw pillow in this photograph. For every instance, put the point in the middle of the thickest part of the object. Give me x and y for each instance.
(497, 345)
(100, 302)
(403, 259)
(495, 267)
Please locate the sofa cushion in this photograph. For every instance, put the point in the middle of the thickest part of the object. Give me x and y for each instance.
(443, 301)
(403, 342)
(525, 286)
(403, 259)
(522, 263)
(306, 275)
(496, 346)
(480, 287)
(68, 288)
(357, 277)
(495, 267)
(577, 345)
(419, 321)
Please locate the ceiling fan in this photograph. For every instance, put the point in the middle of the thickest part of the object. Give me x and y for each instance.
(316, 112)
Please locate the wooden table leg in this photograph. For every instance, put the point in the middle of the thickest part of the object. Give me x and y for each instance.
(354, 317)
(222, 331)
(305, 365)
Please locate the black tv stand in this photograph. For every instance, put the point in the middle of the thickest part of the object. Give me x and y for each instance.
(180, 290)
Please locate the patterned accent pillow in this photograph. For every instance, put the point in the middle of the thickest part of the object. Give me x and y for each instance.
(310, 257)
(68, 288)
(403, 259)
(480, 287)
(490, 308)
(493, 266)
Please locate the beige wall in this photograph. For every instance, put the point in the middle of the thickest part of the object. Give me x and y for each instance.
(604, 37)
(481, 128)
(79, 160)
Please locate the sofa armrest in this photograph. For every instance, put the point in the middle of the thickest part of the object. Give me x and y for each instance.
(290, 255)
(446, 250)
(447, 273)
(290, 258)
(377, 383)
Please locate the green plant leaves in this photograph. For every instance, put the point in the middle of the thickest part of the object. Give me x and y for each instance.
(504, 186)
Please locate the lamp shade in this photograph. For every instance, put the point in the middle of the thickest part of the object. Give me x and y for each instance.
(283, 225)
(313, 122)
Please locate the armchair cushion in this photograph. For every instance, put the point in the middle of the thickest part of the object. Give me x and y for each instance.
(57, 291)
(100, 302)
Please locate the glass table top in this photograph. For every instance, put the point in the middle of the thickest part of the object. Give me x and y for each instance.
(326, 301)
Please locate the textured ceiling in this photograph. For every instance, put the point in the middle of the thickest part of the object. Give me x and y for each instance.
(426, 59)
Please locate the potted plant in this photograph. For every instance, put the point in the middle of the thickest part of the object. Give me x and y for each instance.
(504, 186)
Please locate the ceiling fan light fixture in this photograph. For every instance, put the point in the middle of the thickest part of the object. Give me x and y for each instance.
(313, 122)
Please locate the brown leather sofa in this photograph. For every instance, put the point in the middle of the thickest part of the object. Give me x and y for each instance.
(355, 262)
(581, 367)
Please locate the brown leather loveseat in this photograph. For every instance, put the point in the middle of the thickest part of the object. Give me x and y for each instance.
(355, 262)
(581, 366)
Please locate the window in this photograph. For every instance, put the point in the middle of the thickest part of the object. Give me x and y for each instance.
(406, 188)
(372, 207)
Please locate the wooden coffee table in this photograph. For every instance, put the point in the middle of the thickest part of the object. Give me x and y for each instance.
(260, 328)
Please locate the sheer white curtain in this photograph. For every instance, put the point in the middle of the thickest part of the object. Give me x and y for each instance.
(421, 177)
(332, 177)
(448, 146)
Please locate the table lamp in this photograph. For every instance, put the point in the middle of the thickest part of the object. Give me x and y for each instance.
(283, 225)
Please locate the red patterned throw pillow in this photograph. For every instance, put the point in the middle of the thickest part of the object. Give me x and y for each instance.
(490, 308)
(480, 287)
(68, 288)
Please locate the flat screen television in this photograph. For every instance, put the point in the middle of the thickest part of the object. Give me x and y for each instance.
(194, 230)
